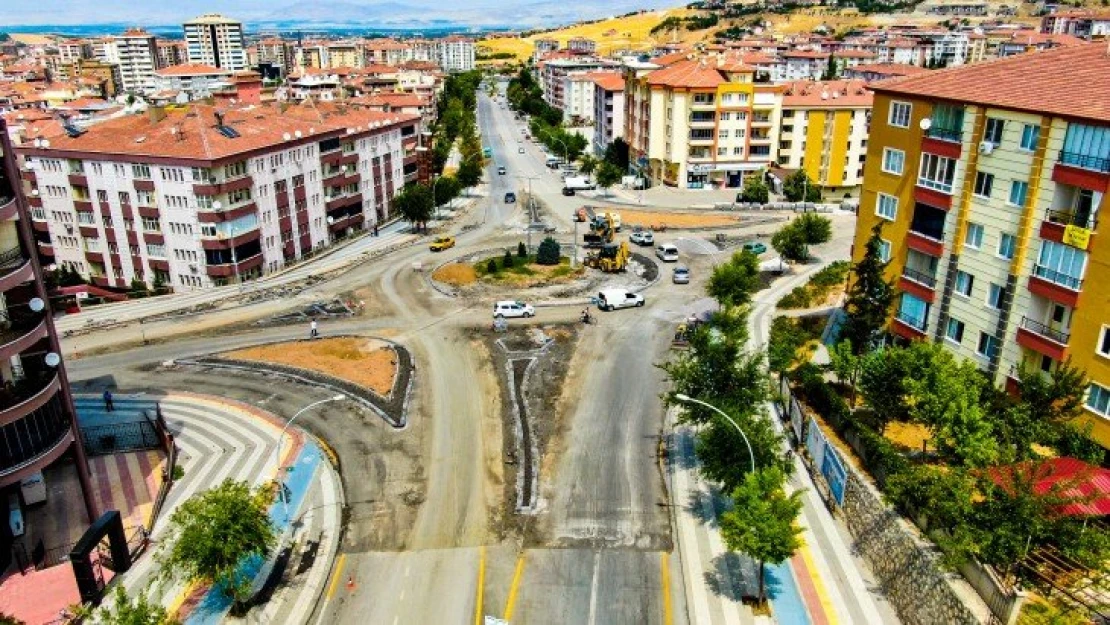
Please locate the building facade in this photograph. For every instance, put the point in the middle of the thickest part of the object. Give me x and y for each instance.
(38, 423)
(990, 198)
(195, 197)
(455, 54)
(191, 82)
(136, 53)
(213, 39)
(608, 109)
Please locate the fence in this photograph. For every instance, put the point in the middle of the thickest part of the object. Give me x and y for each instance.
(149, 433)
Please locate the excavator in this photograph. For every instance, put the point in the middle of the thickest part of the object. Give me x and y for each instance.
(601, 231)
(611, 258)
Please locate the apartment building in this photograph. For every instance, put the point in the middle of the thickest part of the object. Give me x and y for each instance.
(824, 131)
(194, 197)
(1085, 23)
(991, 195)
(578, 98)
(608, 109)
(542, 47)
(170, 53)
(275, 51)
(38, 423)
(455, 54)
(700, 122)
(553, 72)
(189, 81)
(213, 39)
(581, 45)
(136, 53)
(344, 54)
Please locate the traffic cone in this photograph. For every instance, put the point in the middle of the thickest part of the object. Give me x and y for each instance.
(350, 582)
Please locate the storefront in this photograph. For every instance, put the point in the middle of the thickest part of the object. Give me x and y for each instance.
(719, 175)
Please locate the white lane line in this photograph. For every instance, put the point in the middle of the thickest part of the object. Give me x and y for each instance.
(593, 589)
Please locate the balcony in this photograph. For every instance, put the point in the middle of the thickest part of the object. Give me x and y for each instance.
(226, 214)
(944, 134)
(341, 179)
(924, 243)
(223, 243)
(15, 268)
(907, 326)
(79, 180)
(1068, 227)
(338, 158)
(1043, 339)
(228, 270)
(20, 332)
(1083, 171)
(8, 208)
(142, 184)
(227, 186)
(30, 443)
(918, 283)
(932, 197)
(1086, 161)
(338, 201)
(1058, 287)
(26, 395)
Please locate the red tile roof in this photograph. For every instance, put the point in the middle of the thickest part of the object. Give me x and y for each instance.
(827, 94)
(689, 73)
(889, 70)
(609, 81)
(1083, 489)
(1068, 82)
(190, 69)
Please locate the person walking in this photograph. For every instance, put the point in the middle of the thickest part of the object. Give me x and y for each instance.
(375, 229)
(313, 332)
(108, 405)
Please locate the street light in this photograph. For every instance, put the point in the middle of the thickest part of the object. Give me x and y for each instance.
(277, 449)
(690, 400)
(530, 208)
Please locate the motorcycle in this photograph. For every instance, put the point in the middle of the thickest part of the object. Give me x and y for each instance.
(586, 317)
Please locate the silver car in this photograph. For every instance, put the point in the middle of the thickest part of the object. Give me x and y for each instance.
(681, 275)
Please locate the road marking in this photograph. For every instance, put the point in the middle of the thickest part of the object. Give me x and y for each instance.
(336, 574)
(665, 577)
(593, 588)
(478, 618)
(408, 569)
(514, 587)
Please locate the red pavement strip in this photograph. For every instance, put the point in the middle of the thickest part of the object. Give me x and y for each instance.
(814, 608)
(37, 597)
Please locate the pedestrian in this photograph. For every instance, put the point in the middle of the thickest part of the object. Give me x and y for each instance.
(313, 332)
(108, 405)
(375, 229)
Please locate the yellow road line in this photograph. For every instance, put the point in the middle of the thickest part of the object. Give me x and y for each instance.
(819, 586)
(481, 583)
(336, 574)
(665, 577)
(179, 600)
(517, 574)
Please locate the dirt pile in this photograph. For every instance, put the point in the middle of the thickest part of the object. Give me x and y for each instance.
(363, 361)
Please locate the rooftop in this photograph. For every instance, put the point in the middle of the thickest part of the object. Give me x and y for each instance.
(192, 69)
(1075, 76)
(609, 81)
(827, 94)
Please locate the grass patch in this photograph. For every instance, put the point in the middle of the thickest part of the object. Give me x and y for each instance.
(524, 272)
(821, 288)
(457, 274)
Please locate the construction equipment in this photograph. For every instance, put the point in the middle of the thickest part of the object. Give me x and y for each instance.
(584, 214)
(611, 258)
(601, 231)
(684, 332)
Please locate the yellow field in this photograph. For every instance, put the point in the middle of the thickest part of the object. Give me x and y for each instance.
(623, 32)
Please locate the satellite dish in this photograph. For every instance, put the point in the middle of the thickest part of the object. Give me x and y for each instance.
(331, 219)
(36, 304)
(925, 123)
(52, 359)
(45, 143)
(34, 192)
(173, 131)
(287, 136)
(297, 134)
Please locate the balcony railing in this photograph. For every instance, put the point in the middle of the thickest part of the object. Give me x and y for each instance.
(908, 319)
(1037, 327)
(1070, 218)
(1063, 279)
(11, 259)
(920, 277)
(944, 134)
(1086, 161)
(931, 235)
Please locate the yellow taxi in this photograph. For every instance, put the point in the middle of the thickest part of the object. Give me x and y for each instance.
(442, 243)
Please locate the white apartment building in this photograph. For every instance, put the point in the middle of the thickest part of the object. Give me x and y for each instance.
(578, 98)
(191, 82)
(554, 71)
(215, 40)
(800, 65)
(455, 54)
(136, 53)
(196, 198)
(608, 109)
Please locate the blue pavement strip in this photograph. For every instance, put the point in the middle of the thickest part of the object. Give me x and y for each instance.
(216, 603)
(786, 599)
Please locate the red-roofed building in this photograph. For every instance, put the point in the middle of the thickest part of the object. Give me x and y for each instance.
(824, 131)
(608, 109)
(191, 80)
(1029, 41)
(1083, 489)
(1084, 23)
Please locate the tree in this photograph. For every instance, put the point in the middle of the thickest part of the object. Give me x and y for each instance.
(733, 283)
(870, 296)
(724, 455)
(446, 189)
(763, 520)
(414, 202)
(587, 164)
(785, 340)
(716, 370)
(211, 534)
(138, 288)
(608, 175)
(831, 70)
(755, 190)
(521, 251)
(883, 379)
(140, 611)
(548, 252)
(846, 365)
(798, 186)
(790, 243)
(491, 266)
(617, 153)
(507, 262)
(816, 229)
(469, 173)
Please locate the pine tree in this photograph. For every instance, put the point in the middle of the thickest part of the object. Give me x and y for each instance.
(869, 297)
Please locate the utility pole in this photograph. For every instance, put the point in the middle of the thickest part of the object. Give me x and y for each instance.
(574, 259)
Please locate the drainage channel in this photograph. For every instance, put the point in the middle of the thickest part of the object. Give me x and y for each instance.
(526, 474)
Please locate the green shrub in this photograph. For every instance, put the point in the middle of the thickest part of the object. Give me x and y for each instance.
(548, 254)
(800, 297)
(507, 262)
(831, 276)
(491, 266)
(521, 251)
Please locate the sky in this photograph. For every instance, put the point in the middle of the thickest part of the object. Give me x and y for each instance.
(380, 13)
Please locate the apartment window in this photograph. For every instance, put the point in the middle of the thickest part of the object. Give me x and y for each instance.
(913, 311)
(1087, 146)
(726, 116)
(887, 206)
(994, 296)
(156, 250)
(722, 133)
(1007, 243)
(235, 170)
(1103, 348)
(983, 184)
(988, 345)
(150, 224)
(964, 283)
(955, 330)
(1061, 264)
(737, 151)
(993, 132)
(894, 161)
(102, 196)
(884, 250)
(900, 114)
(85, 218)
(936, 173)
(974, 236)
(1030, 133)
(1098, 399)
(141, 171)
(722, 151)
(1018, 190)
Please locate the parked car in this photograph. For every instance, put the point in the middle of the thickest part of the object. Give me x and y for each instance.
(501, 170)
(681, 275)
(755, 247)
(568, 191)
(509, 308)
(667, 252)
(510, 198)
(612, 299)
(442, 243)
(642, 237)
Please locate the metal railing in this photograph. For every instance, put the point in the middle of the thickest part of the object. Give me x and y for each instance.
(1062, 279)
(1071, 218)
(939, 238)
(919, 277)
(1086, 161)
(11, 259)
(944, 134)
(910, 320)
(1036, 327)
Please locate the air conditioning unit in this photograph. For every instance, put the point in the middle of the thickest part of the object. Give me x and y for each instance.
(192, 268)
(986, 147)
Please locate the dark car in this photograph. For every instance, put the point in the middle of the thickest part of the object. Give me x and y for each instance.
(568, 191)
(510, 198)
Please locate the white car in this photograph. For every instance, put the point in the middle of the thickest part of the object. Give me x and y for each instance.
(667, 252)
(642, 237)
(612, 299)
(510, 308)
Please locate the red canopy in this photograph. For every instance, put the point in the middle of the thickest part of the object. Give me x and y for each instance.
(1067, 478)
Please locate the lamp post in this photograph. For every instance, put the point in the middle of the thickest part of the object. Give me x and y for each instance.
(531, 205)
(690, 400)
(277, 449)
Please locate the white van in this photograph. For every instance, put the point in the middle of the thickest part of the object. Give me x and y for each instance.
(553, 162)
(578, 183)
(667, 252)
(612, 299)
